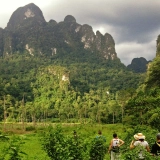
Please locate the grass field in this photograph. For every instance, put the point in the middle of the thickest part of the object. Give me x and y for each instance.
(32, 138)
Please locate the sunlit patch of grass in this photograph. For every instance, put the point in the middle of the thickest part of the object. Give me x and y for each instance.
(33, 149)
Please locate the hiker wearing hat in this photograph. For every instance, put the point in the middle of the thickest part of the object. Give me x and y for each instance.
(156, 146)
(114, 147)
(141, 143)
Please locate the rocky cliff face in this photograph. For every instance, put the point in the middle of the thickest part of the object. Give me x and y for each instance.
(27, 31)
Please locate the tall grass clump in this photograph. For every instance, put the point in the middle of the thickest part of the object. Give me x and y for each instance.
(60, 146)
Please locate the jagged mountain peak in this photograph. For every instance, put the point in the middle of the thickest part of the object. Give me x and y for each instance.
(23, 14)
(87, 27)
(69, 18)
(27, 31)
(98, 33)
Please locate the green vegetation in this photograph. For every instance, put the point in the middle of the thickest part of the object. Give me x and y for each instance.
(22, 147)
(58, 142)
(35, 88)
(74, 87)
(145, 105)
(63, 90)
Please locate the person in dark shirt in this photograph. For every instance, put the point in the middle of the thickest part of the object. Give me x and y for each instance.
(101, 136)
(98, 147)
(155, 150)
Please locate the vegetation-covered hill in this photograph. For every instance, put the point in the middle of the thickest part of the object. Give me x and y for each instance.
(138, 65)
(61, 71)
(75, 82)
(144, 107)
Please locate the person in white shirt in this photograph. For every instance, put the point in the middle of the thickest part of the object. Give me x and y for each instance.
(141, 143)
(114, 147)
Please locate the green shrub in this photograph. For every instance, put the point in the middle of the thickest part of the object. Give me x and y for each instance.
(98, 148)
(30, 128)
(12, 149)
(59, 146)
(133, 154)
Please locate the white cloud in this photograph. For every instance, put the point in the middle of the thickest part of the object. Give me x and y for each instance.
(128, 51)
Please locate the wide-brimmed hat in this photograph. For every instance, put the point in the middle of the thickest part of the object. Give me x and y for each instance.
(139, 136)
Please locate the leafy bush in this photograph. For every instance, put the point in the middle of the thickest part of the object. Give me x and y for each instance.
(12, 149)
(30, 128)
(59, 146)
(98, 149)
(133, 154)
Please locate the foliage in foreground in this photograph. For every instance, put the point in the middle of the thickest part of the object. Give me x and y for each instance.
(98, 148)
(12, 150)
(59, 146)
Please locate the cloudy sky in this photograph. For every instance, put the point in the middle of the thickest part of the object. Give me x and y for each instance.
(133, 24)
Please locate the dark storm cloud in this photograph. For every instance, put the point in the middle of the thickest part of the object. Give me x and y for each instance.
(134, 25)
(131, 20)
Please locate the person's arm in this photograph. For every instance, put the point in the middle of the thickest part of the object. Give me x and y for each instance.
(132, 145)
(110, 147)
(147, 148)
(121, 142)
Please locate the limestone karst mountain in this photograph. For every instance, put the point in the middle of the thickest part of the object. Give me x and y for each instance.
(27, 31)
(138, 65)
(29, 43)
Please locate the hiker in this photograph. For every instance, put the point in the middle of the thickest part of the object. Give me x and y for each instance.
(98, 147)
(101, 136)
(140, 143)
(155, 150)
(75, 134)
(114, 147)
(135, 138)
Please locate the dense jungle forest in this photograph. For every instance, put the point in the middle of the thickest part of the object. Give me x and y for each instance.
(61, 89)
(64, 72)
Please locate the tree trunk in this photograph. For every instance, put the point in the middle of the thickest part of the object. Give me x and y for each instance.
(5, 115)
(122, 113)
(113, 117)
